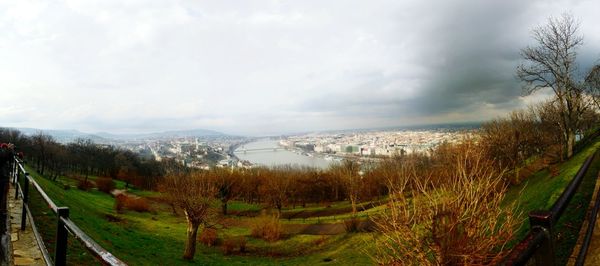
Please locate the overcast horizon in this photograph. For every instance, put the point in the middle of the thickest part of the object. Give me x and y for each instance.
(268, 67)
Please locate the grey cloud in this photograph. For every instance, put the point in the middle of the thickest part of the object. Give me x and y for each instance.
(267, 67)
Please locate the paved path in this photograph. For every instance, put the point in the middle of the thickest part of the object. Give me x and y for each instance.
(593, 253)
(25, 248)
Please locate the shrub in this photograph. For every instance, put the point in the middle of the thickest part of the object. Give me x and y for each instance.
(85, 185)
(319, 241)
(448, 223)
(105, 184)
(228, 245)
(208, 237)
(137, 204)
(352, 225)
(242, 243)
(123, 201)
(120, 200)
(267, 228)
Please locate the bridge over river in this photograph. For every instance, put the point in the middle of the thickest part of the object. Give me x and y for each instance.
(244, 150)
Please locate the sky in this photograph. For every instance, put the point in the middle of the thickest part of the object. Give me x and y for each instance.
(268, 67)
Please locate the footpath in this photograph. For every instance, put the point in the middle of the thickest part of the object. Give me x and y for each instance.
(25, 248)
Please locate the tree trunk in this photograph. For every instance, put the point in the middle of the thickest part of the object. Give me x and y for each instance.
(570, 143)
(190, 242)
(224, 207)
(353, 202)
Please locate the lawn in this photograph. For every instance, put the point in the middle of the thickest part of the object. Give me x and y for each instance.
(540, 191)
(158, 236)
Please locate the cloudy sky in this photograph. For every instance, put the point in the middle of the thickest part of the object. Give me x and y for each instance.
(266, 67)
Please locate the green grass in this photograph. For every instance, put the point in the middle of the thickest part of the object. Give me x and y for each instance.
(149, 238)
(540, 191)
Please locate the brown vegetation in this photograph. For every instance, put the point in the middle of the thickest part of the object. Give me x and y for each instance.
(457, 222)
(105, 184)
(209, 236)
(266, 227)
(137, 204)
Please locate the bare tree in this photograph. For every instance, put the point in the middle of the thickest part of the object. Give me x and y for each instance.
(552, 64)
(228, 184)
(349, 173)
(592, 81)
(194, 194)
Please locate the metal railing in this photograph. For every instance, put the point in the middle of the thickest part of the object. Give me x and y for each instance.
(64, 224)
(540, 242)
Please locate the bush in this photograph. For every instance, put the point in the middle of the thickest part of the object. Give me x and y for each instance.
(85, 185)
(208, 237)
(137, 204)
(267, 228)
(123, 201)
(228, 245)
(105, 184)
(120, 200)
(320, 241)
(352, 225)
(242, 243)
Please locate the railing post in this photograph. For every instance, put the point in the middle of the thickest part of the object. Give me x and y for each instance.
(542, 220)
(60, 257)
(17, 185)
(15, 170)
(25, 202)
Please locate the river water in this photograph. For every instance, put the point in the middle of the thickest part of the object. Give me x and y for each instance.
(270, 157)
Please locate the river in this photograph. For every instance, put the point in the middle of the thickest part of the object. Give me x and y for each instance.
(271, 157)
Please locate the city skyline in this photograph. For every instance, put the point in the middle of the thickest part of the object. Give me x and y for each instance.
(267, 68)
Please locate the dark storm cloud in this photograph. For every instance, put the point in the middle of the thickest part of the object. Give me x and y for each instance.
(469, 50)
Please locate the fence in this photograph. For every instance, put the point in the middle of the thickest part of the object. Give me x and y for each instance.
(64, 224)
(540, 242)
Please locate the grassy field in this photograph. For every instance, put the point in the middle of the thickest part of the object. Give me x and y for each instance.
(158, 236)
(540, 191)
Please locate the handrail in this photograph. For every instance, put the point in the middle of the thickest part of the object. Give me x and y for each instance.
(65, 224)
(561, 203)
(539, 242)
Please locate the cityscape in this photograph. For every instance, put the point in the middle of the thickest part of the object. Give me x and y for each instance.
(286, 133)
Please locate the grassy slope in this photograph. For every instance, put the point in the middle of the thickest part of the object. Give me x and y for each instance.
(541, 191)
(148, 238)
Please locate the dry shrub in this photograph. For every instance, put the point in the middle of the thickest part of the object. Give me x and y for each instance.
(352, 225)
(461, 222)
(266, 227)
(105, 184)
(228, 245)
(85, 185)
(241, 241)
(320, 241)
(120, 200)
(137, 204)
(123, 202)
(209, 236)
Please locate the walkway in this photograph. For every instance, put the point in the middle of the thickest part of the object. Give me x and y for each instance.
(25, 248)
(593, 253)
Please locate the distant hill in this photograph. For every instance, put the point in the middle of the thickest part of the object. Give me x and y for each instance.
(163, 135)
(65, 136)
